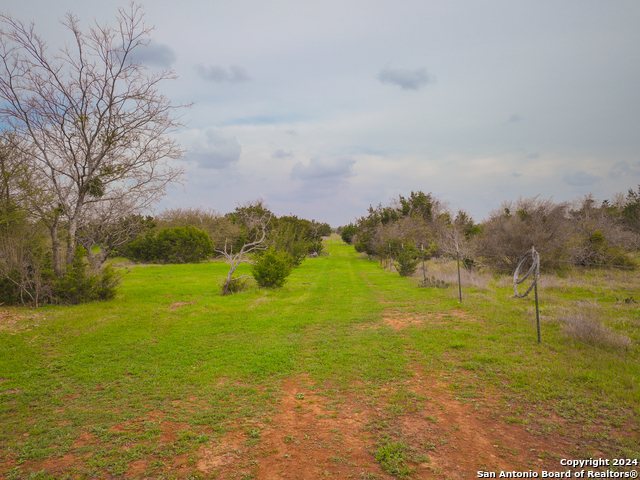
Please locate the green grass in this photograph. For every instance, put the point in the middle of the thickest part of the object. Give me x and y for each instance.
(217, 362)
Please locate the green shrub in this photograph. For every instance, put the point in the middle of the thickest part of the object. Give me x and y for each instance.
(315, 247)
(172, 245)
(272, 268)
(78, 285)
(295, 236)
(408, 260)
(142, 249)
(183, 245)
(348, 232)
(9, 289)
(238, 284)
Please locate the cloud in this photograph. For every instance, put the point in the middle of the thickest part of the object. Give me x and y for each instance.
(515, 118)
(405, 78)
(580, 179)
(515, 174)
(216, 74)
(319, 179)
(280, 153)
(533, 155)
(622, 169)
(322, 171)
(154, 55)
(219, 151)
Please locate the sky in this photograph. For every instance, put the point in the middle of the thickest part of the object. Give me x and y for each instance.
(322, 108)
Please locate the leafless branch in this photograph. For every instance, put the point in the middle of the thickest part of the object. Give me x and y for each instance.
(91, 119)
(235, 259)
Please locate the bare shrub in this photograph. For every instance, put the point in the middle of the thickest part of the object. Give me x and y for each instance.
(599, 236)
(587, 327)
(446, 270)
(517, 226)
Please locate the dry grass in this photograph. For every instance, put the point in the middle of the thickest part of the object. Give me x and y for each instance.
(587, 326)
(448, 272)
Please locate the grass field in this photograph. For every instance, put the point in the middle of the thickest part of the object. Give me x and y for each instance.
(348, 371)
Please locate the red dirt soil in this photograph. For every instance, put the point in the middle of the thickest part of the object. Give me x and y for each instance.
(322, 431)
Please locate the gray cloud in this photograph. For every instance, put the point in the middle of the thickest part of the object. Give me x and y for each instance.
(155, 55)
(321, 171)
(216, 74)
(280, 153)
(220, 151)
(580, 179)
(405, 78)
(320, 179)
(621, 169)
(515, 174)
(533, 155)
(515, 118)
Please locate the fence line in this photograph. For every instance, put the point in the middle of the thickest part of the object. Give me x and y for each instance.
(535, 269)
(604, 265)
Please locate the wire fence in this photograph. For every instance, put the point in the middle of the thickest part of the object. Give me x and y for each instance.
(534, 269)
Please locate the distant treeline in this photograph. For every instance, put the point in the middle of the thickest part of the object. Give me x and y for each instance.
(583, 232)
(204, 233)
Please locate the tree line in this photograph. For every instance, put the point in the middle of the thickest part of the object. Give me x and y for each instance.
(582, 232)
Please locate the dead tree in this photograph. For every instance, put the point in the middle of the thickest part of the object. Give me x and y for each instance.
(90, 118)
(235, 259)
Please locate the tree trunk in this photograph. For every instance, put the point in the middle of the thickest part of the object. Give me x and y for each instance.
(225, 285)
(55, 248)
(71, 240)
(73, 227)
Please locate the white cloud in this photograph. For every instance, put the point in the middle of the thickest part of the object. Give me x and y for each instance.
(324, 171)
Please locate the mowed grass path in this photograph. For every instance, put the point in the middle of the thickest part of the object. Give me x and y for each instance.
(169, 335)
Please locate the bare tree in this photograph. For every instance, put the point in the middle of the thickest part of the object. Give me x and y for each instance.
(455, 238)
(260, 223)
(90, 117)
(106, 226)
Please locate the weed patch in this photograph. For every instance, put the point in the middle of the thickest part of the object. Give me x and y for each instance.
(393, 457)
